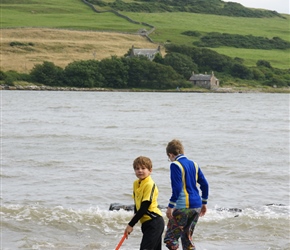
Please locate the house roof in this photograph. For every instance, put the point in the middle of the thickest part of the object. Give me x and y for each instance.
(149, 53)
(145, 52)
(200, 77)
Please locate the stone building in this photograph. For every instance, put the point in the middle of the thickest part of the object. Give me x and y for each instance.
(149, 53)
(204, 80)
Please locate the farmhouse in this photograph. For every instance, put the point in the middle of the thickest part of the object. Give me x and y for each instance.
(204, 80)
(149, 53)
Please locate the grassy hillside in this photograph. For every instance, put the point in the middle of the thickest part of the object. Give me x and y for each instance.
(64, 14)
(62, 46)
(169, 27)
(75, 15)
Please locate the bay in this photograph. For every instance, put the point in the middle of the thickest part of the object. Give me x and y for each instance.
(66, 156)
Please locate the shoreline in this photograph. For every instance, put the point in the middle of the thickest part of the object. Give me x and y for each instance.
(197, 90)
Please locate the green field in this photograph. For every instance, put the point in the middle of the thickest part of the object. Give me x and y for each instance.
(74, 14)
(64, 14)
(169, 27)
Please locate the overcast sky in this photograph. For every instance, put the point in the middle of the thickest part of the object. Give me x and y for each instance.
(281, 6)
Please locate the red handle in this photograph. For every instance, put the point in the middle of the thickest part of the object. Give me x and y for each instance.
(121, 242)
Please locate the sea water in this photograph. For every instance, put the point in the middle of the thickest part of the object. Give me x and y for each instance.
(66, 156)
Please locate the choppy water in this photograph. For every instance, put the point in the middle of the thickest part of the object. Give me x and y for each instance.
(66, 156)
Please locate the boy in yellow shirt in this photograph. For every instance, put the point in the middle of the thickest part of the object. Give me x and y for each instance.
(145, 194)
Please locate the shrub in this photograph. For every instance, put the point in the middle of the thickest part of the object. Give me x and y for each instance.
(47, 73)
(15, 43)
(264, 63)
(83, 74)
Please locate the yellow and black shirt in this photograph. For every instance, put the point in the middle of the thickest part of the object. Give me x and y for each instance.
(145, 194)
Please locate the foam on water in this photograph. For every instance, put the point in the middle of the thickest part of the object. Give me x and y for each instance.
(99, 228)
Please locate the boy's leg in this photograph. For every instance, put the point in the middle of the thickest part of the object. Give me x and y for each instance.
(152, 234)
(175, 229)
(186, 238)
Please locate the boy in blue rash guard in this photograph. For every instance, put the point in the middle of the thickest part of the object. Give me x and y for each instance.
(145, 194)
(185, 205)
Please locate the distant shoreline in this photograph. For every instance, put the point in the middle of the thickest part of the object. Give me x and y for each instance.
(198, 90)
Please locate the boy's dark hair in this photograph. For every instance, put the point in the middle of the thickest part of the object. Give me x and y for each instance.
(174, 147)
(142, 161)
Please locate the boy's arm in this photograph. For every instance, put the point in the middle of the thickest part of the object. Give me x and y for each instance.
(203, 186)
(203, 210)
(176, 184)
(143, 209)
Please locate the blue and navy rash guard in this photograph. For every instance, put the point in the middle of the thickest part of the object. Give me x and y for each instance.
(185, 193)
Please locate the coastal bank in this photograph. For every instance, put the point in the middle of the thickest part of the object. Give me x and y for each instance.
(224, 89)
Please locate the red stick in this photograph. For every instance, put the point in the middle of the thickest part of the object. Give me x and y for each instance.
(121, 242)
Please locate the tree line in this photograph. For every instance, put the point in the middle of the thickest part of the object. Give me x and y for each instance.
(208, 60)
(168, 72)
(214, 7)
(216, 39)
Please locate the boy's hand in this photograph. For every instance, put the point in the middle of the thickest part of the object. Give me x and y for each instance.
(128, 230)
(169, 213)
(203, 210)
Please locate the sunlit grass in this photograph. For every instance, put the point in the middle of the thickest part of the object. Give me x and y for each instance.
(176, 23)
(69, 14)
(62, 46)
(277, 58)
(169, 27)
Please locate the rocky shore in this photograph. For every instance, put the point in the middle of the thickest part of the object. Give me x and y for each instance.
(48, 88)
(193, 90)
